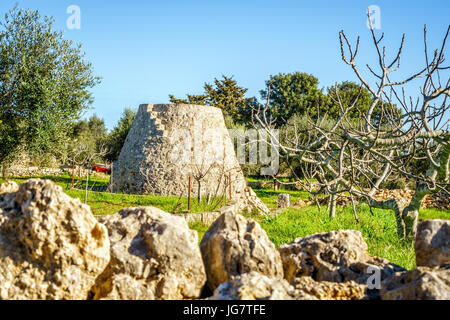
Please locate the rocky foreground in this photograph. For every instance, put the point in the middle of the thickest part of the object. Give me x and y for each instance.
(52, 247)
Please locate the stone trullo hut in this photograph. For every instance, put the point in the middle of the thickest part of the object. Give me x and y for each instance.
(167, 143)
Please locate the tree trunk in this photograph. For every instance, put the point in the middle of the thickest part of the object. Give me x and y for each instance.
(393, 205)
(410, 214)
(406, 216)
(111, 179)
(86, 189)
(73, 169)
(332, 206)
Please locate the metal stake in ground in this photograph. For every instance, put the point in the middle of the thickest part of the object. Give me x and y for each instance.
(73, 168)
(189, 195)
(87, 184)
(229, 182)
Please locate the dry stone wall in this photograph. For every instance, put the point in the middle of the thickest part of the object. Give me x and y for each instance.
(21, 171)
(51, 247)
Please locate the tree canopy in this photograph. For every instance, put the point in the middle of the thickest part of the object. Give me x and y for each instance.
(44, 83)
(292, 93)
(117, 136)
(224, 94)
(347, 92)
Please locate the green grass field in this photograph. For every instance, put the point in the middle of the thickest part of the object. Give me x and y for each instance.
(378, 230)
(104, 203)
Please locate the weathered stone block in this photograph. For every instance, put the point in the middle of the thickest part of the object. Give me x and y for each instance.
(432, 243)
(51, 246)
(154, 255)
(284, 200)
(233, 246)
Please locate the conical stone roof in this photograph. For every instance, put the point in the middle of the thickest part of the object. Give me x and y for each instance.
(167, 143)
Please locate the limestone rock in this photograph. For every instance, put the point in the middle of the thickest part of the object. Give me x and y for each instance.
(335, 256)
(206, 218)
(51, 246)
(255, 286)
(234, 245)
(325, 290)
(8, 187)
(154, 255)
(432, 243)
(303, 203)
(284, 200)
(419, 284)
(249, 202)
(440, 200)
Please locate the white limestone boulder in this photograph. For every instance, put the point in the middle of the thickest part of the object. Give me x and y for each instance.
(51, 246)
(154, 255)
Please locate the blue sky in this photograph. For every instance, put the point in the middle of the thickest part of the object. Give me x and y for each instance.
(146, 50)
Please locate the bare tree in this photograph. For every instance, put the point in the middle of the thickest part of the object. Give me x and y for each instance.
(83, 155)
(355, 156)
(199, 172)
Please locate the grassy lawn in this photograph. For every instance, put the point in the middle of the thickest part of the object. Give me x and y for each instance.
(379, 230)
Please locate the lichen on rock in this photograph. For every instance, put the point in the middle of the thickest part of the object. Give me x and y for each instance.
(432, 245)
(422, 283)
(335, 256)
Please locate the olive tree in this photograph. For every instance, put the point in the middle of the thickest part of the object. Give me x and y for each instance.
(44, 84)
